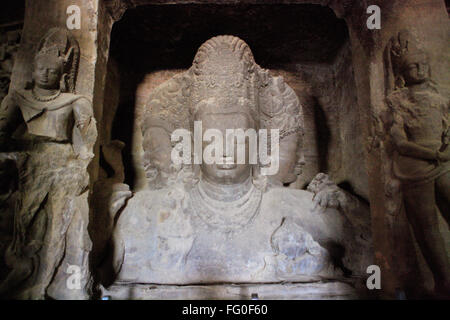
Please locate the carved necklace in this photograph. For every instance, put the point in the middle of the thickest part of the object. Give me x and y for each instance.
(226, 215)
(45, 98)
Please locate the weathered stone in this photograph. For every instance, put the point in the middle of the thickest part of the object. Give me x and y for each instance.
(8, 170)
(8, 49)
(419, 132)
(224, 225)
(53, 131)
(297, 291)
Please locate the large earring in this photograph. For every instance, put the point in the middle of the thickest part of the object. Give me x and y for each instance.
(63, 83)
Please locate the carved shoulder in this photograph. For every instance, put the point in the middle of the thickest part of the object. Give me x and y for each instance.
(395, 98)
(82, 107)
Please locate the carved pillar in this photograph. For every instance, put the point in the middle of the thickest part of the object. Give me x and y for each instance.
(93, 38)
(401, 267)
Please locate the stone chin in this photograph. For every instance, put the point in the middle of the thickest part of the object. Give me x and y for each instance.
(221, 174)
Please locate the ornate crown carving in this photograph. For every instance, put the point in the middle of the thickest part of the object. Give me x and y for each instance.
(59, 44)
(224, 78)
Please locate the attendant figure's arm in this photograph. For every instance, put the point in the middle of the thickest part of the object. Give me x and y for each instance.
(84, 131)
(406, 147)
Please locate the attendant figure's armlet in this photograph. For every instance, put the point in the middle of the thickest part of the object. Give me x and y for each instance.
(84, 130)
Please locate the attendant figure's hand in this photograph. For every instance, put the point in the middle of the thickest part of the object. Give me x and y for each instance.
(443, 156)
(84, 154)
(120, 194)
(326, 193)
(328, 198)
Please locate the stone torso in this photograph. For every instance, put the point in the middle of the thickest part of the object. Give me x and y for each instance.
(425, 117)
(53, 120)
(165, 241)
(423, 113)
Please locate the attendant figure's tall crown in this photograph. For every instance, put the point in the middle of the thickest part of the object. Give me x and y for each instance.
(59, 44)
(402, 50)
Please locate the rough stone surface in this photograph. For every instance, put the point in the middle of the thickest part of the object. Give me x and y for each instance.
(418, 134)
(394, 245)
(10, 40)
(50, 131)
(298, 291)
(285, 240)
(54, 183)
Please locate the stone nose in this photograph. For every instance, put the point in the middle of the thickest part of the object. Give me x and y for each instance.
(44, 75)
(421, 70)
(228, 150)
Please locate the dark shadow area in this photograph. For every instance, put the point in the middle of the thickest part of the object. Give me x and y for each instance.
(9, 177)
(345, 185)
(337, 252)
(443, 205)
(323, 136)
(104, 164)
(12, 13)
(167, 37)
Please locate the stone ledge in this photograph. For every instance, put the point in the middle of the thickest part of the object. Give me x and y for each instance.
(277, 291)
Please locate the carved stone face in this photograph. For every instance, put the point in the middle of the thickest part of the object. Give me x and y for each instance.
(226, 173)
(416, 69)
(291, 162)
(47, 72)
(159, 148)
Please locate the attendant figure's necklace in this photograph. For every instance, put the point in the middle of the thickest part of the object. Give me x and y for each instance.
(45, 98)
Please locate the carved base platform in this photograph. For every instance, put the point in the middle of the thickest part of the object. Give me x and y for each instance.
(284, 291)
